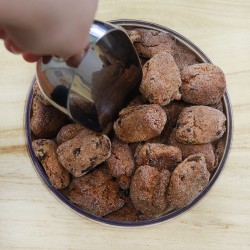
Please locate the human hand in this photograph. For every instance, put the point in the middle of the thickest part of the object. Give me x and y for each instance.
(45, 27)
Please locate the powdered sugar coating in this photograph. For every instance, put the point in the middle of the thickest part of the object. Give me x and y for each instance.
(161, 79)
(202, 84)
(158, 155)
(121, 163)
(45, 150)
(140, 123)
(148, 189)
(96, 193)
(84, 152)
(151, 42)
(187, 181)
(200, 124)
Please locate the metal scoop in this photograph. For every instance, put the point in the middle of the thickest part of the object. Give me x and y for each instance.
(105, 80)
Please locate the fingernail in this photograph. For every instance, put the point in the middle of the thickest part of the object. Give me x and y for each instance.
(30, 57)
(46, 59)
(15, 50)
(2, 34)
(11, 47)
(74, 61)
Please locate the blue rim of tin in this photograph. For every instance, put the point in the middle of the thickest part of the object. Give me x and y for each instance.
(170, 215)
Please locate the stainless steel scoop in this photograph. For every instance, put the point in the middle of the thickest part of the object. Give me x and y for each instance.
(105, 80)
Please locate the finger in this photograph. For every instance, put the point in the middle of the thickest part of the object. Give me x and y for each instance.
(30, 57)
(74, 61)
(10, 46)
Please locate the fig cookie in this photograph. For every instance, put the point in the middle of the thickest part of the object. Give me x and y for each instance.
(45, 151)
(202, 84)
(158, 155)
(151, 42)
(161, 79)
(69, 131)
(46, 120)
(148, 189)
(96, 192)
(187, 181)
(140, 123)
(200, 124)
(84, 152)
(121, 163)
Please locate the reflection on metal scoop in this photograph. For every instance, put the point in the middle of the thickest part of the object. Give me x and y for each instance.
(103, 83)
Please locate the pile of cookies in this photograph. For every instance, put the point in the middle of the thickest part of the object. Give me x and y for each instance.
(164, 146)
